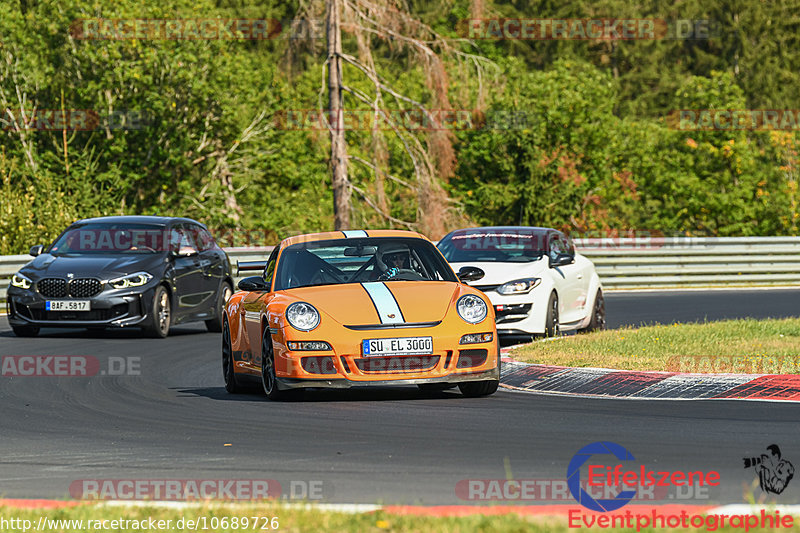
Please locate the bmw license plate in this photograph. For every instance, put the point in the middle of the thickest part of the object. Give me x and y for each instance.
(67, 305)
(398, 346)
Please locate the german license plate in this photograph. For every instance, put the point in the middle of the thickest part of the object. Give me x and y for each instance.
(398, 346)
(67, 305)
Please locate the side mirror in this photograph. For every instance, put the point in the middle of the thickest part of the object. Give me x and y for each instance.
(36, 250)
(186, 251)
(253, 283)
(470, 274)
(561, 260)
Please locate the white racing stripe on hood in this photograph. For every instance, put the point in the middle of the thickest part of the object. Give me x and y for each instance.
(350, 234)
(388, 310)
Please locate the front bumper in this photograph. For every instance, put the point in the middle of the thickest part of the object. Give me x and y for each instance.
(522, 314)
(344, 383)
(345, 365)
(116, 308)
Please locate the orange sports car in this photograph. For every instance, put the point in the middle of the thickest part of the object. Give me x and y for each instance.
(344, 309)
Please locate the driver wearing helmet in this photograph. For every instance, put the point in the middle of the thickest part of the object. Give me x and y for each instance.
(391, 258)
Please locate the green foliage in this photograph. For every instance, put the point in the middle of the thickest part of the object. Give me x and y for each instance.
(597, 150)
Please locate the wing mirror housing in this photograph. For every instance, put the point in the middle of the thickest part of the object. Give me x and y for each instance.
(253, 283)
(561, 260)
(469, 273)
(186, 251)
(36, 250)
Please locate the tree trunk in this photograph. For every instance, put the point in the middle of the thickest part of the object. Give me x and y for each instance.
(338, 162)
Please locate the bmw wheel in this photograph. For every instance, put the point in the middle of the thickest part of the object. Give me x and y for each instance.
(214, 325)
(160, 314)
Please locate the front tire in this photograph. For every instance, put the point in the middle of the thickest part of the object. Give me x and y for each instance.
(598, 321)
(268, 379)
(475, 389)
(214, 325)
(25, 331)
(228, 374)
(160, 314)
(552, 328)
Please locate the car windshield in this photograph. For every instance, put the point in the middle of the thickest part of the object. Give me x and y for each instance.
(499, 246)
(110, 238)
(341, 261)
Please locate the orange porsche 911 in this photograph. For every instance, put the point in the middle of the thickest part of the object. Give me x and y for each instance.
(344, 309)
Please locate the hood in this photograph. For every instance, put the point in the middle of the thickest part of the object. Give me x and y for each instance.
(351, 304)
(499, 273)
(86, 266)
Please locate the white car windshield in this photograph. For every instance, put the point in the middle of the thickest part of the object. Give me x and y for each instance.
(513, 246)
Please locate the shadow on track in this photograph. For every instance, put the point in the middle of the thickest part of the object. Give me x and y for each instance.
(110, 333)
(376, 394)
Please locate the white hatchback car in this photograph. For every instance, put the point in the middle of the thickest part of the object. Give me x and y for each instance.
(534, 278)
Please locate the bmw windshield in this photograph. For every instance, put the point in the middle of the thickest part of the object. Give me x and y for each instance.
(111, 238)
(499, 246)
(340, 261)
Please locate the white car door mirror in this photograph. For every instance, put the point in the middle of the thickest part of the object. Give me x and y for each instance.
(561, 260)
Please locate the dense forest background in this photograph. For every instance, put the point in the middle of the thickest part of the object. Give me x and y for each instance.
(582, 143)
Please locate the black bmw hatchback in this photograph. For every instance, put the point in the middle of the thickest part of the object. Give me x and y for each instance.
(150, 272)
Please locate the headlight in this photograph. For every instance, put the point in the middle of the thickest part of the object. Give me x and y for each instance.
(23, 282)
(302, 316)
(476, 338)
(471, 308)
(309, 346)
(132, 280)
(519, 286)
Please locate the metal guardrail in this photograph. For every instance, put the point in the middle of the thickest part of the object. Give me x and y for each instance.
(668, 262)
(632, 263)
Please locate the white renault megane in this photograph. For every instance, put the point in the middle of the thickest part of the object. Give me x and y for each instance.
(537, 282)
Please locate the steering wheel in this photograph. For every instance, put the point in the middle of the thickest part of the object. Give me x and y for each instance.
(401, 274)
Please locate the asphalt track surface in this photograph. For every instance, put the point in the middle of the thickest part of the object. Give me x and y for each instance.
(394, 445)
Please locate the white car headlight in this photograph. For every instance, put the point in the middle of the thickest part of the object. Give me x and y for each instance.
(20, 281)
(472, 309)
(519, 286)
(302, 316)
(131, 280)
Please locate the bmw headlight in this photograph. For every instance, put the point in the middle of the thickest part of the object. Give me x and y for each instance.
(471, 308)
(132, 280)
(20, 281)
(302, 316)
(519, 286)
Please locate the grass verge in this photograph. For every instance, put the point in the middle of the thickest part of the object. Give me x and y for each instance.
(747, 346)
